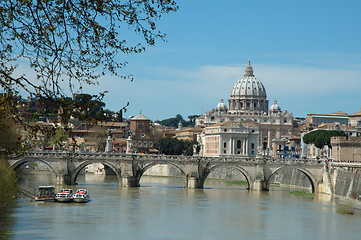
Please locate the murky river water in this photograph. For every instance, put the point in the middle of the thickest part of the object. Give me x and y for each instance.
(162, 209)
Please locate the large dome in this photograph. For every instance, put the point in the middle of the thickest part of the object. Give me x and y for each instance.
(248, 94)
(248, 85)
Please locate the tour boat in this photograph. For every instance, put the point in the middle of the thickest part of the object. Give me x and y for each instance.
(65, 195)
(45, 193)
(81, 196)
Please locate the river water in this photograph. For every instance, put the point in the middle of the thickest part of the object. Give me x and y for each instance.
(163, 209)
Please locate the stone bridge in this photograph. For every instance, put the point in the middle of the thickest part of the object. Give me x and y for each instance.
(129, 168)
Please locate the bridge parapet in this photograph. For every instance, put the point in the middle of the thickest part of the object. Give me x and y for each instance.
(129, 168)
(345, 164)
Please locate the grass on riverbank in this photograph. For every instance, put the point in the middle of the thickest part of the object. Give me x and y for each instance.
(307, 195)
(241, 183)
(345, 208)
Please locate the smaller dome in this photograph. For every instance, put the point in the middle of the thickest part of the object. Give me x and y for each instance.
(221, 106)
(274, 107)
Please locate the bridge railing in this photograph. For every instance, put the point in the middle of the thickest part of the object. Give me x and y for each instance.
(159, 157)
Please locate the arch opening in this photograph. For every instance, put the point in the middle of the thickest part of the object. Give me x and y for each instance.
(294, 177)
(223, 175)
(157, 174)
(93, 172)
(34, 172)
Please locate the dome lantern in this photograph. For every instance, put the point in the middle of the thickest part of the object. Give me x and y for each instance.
(249, 70)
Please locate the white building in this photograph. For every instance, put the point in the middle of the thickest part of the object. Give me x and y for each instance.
(229, 138)
(248, 101)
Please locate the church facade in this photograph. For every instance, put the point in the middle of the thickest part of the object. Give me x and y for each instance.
(248, 102)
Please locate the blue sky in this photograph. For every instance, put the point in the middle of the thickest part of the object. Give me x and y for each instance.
(306, 53)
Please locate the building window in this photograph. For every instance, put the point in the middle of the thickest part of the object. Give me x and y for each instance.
(225, 130)
(145, 143)
(224, 151)
(150, 144)
(239, 144)
(238, 152)
(139, 143)
(224, 144)
(252, 145)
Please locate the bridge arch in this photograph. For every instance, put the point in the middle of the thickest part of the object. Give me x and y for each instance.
(232, 166)
(86, 163)
(153, 164)
(148, 166)
(309, 176)
(23, 161)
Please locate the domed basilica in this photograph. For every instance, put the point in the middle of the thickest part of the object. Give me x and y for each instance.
(248, 103)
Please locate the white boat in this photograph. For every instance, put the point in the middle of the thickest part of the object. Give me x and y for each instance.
(81, 196)
(65, 195)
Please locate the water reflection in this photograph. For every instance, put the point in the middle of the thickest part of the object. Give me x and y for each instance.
(6, 222)
(163, 209)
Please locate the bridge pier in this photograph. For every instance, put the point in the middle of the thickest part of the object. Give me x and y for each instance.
(193, 183)
(64, 179)
(129, 182)
(259, 185)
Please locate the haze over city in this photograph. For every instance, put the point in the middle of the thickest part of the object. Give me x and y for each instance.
(306, 53)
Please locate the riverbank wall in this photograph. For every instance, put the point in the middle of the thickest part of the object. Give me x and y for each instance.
(347, 182)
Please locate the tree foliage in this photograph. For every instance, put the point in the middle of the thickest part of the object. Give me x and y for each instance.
(174, 122)
(71, 43)
(8, 183)
(9, 143)
(173, 146)
(10, 140)
(321, 138)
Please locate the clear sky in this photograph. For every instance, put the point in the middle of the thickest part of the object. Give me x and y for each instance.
(307, 54)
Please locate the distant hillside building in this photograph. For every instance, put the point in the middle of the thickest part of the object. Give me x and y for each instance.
(355, 119)
(316, 119)
(141, 139)
(346, 149)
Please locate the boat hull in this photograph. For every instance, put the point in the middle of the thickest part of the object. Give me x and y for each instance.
(64, 199)
(80, 200)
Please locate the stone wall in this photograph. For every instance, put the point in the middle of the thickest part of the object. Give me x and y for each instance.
(292, 177)
(347, 182)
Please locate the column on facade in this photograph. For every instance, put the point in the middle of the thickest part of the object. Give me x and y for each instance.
(247, 152)
(234, 145)
(278, 133)
(260, 140)
(269, 139)
(244, 147)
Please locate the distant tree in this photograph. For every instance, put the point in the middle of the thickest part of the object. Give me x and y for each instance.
(192, 119)
(190, 146)
(173, 146)
(174, 122)
(86, 108)
(321, 138)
